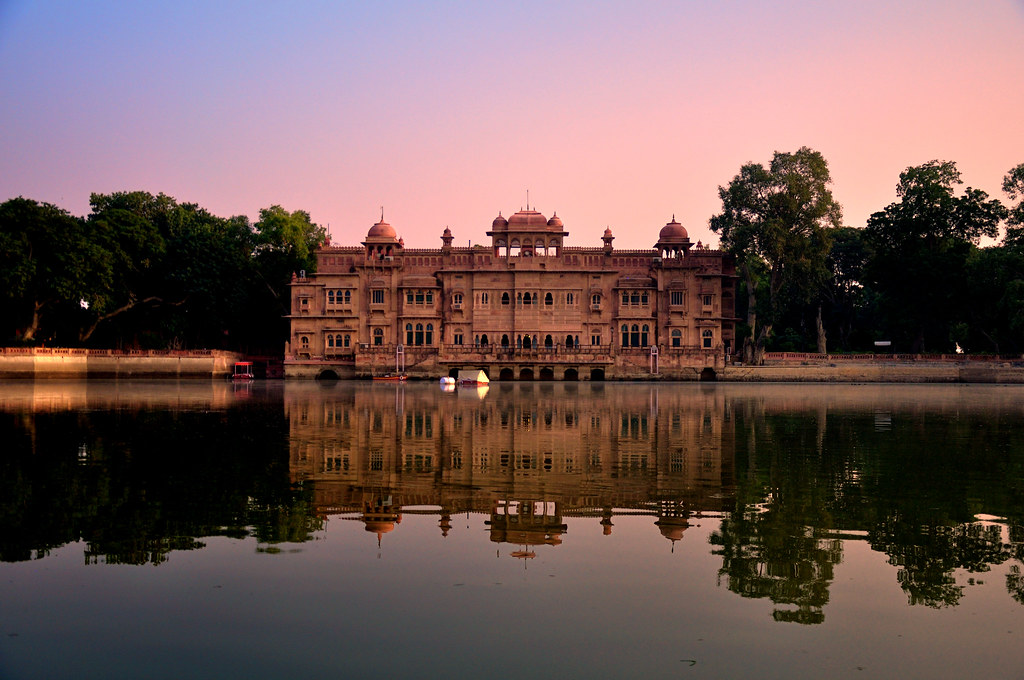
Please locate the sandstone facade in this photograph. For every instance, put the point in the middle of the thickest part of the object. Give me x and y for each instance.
(523, 307)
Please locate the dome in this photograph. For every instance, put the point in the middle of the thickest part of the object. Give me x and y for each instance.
(499, 222)
(607, 232)
(555, 221)
(527, 219)
(447, 232)
(381, 230)
(672, 528)
(673, 231)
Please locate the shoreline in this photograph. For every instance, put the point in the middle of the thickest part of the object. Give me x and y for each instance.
(54, 363)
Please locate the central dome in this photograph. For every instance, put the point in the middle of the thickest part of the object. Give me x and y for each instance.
(528, 219)
(381, 230)
(673, 231)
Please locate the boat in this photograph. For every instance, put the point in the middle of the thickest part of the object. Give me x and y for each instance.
(243, 371)
(390, 378)
(473, 377)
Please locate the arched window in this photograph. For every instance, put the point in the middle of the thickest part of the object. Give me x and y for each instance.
(378, 336)
(549, 299)
(643, 335)
(595, 300)
(527, 342)
(330, 297)
(625, 335)
(534, 298)
(504, 340)
(677, 338)
(625, 297)
(430, 334)
(643, 298)
(568, 341)
(519, 298)
(548, 341)
(304, 341)
(707, 336)
(569, 298)
(519, 341)
(408, 333)
(483, 339)
(634, 336)
(526, 299)
(348, 340)
(348, 297)
(419, 334)
(505, 299)
(634, 298)
(330, 340)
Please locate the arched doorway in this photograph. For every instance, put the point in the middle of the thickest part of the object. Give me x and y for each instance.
(526, 374)
(506, 374)
(328, 375)
(504, 340)
(547, 373)
(597, 374)
(568, 341)
(527, 342)
(571, 374)
(548, 341)
(708, 375)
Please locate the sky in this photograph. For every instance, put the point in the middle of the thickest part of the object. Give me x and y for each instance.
(611, 114)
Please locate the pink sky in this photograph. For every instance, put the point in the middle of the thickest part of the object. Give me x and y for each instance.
(447, 113)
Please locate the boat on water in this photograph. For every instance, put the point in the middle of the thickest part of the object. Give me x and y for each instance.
(243, 371)
(469, 378)
(390, 378)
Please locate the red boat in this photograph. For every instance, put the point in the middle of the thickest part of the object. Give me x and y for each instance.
(389, 378)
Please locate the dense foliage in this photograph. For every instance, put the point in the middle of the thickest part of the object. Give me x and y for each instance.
(916, 275)
(146, 271)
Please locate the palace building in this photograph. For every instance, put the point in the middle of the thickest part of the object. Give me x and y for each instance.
(524, 307)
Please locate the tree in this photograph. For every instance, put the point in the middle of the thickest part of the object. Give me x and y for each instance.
(124, 229)
(286, 243)
(44, 260)
(1013, 185)
(778, 219)
(845, 296)
(922, 245)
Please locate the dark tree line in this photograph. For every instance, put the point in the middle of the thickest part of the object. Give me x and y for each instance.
(915, 275)
(146, 271)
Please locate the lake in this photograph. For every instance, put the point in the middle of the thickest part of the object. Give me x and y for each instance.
(551, 530)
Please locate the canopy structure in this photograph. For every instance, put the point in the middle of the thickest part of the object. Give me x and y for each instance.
(473, 377)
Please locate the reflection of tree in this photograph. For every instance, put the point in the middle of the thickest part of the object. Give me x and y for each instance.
(928, 555)
(766, 554)
(137, 484)
(912, 481)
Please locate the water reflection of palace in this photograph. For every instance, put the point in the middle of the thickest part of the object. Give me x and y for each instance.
(527, 456)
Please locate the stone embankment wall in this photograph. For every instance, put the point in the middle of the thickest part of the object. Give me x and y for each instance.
(39, 362)
(869, 368)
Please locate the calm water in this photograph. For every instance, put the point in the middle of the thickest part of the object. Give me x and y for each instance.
(168, 530)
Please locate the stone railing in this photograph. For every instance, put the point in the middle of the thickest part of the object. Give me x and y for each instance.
(77, 351)
(813, 357)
